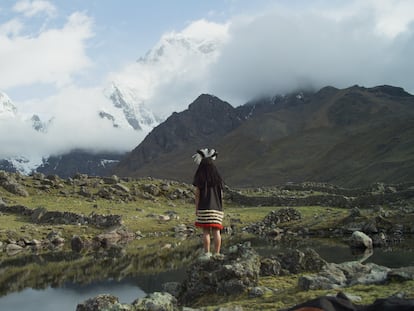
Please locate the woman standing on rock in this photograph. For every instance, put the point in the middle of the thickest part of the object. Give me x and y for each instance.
(208, 199)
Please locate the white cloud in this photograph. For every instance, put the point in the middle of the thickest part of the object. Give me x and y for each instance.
(35, 7)
(393, 17)
(75, 124)
(281, 50)
(175, 69)
(11, 28)
(367, 43)
(54, 56)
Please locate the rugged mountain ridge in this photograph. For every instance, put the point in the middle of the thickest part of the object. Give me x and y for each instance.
(205, 121)
(350, 137)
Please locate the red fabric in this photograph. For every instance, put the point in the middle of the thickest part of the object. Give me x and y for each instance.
(218, 226)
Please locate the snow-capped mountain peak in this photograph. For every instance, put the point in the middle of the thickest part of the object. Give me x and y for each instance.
(178, 61)
(130, 107)
(7, 109)
(201, 39)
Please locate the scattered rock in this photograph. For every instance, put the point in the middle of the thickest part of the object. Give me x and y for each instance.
(103, 302)
(296, 261)
(156, 301)
(360, 240)
(256, 291)
(344, 274)
(121, 187)
(13, 249)
(268, 226)
(269, 266)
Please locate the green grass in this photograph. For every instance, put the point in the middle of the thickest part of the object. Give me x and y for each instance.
(284, 293)
(151, 254)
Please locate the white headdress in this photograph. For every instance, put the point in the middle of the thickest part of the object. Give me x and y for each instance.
(204, 153)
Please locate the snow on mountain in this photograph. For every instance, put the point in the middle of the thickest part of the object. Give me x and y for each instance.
(137, 98)
(22, 164)
(172, 73)
(7, 109)
(130, 108)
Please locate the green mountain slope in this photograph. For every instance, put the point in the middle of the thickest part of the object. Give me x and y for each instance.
(350, 137)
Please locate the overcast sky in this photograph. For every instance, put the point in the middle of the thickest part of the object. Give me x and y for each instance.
(55, 53)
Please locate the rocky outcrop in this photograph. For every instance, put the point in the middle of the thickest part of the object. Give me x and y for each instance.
(231, 275)
(156, 302)
(344, 274)
(268, 226)
(8, 182)
(103, 302)
(41, 215)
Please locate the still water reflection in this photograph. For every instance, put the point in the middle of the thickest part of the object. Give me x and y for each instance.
(132, 285)
(393, 256)
(67, 298)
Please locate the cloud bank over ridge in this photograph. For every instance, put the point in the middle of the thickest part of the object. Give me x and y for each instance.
(338, 43)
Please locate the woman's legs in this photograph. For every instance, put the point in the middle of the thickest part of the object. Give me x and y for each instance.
(217, 240)
(206, 240)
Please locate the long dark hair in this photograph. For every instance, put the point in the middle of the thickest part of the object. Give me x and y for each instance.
(207, 175)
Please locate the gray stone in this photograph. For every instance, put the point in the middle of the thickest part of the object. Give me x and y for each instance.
(296, 261)
(152, 189)
(401, 274)
(256, 291)
(156, 301)
(14, 187)
(269, 266)
(13, 249)
(344, 274)
(231, 275)
(104, 302)
(360, 240)
(121, 187)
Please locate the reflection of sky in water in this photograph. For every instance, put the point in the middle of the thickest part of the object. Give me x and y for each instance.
(67, 298)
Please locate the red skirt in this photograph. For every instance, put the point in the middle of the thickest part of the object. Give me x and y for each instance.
(218, 226)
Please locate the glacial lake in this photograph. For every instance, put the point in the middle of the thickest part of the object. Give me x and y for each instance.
(65, 297)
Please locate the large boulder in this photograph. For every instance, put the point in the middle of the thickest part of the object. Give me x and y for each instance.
(156, 302)
(297, 261)
(103, 302)
(232, 274)
(12, 186)
(360, 240)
